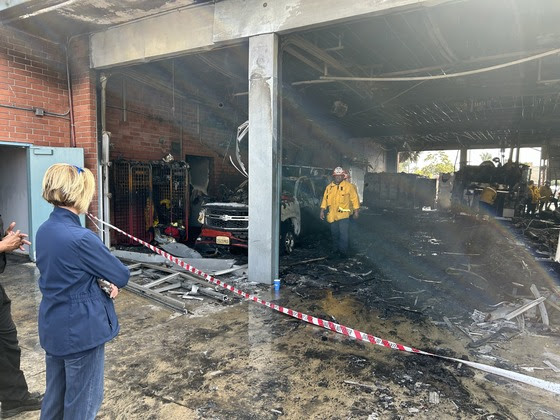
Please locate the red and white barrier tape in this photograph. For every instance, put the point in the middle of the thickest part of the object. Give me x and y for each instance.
(341, 329)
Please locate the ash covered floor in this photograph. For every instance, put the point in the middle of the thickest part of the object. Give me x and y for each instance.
(429, 280)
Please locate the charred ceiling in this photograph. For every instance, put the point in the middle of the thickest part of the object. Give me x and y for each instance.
(511, 105)
(214, 78)
(60, 19)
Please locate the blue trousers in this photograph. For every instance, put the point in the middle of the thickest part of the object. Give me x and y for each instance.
(339, 233)
(74, 386)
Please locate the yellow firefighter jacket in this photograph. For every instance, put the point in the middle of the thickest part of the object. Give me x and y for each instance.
(534, 194)
(488, 195)
(545, 194)
(340, 201)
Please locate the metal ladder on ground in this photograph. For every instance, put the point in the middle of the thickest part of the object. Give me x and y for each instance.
(156, 283)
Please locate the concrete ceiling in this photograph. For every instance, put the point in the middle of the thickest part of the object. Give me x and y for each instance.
(514, 105)
(519, 103)
(59, 19)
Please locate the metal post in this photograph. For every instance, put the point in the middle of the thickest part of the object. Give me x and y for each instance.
(105, 141)
(106, 195)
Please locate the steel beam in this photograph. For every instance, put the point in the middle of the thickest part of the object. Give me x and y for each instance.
(210, 25)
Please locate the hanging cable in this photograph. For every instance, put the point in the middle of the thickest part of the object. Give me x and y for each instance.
(326, 79)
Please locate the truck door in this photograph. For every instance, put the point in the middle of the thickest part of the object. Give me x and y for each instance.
(309, 204)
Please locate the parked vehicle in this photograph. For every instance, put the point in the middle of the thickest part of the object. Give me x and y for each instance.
(227, 223)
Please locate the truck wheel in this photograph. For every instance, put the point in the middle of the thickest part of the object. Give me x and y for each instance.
(287, 239)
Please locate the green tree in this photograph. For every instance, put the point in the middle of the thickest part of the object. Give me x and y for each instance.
(406, 159)
(436, 163)
(484, 156)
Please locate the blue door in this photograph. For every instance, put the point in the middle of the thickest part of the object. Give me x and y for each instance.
(38, 161)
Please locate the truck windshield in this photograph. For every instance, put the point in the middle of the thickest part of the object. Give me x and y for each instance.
(288, 186)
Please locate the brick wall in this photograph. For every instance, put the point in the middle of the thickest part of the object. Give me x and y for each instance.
(84, 98)
(32, 75)
(145, 126)
(149, 128)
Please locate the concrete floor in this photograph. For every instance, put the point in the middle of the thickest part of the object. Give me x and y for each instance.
(146, 330)
(243, 361)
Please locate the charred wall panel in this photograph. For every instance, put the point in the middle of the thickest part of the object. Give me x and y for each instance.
(391, 190)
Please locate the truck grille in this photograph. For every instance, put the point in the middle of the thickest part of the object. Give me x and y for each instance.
(227, 219)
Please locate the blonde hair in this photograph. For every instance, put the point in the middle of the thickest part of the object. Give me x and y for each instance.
(69, 186)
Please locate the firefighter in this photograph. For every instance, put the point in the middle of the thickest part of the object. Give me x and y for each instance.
(532, 198)
(487, 200)
(341, 201)
(545, 196)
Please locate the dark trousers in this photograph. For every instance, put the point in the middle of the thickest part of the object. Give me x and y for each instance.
(546, 205)
(339, 233)
(74, 385)
(13, 386)
(487, 208)
(531, 208)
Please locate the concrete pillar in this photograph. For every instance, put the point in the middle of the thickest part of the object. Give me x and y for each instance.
(265, 152)
(463, 158)
(391, 161)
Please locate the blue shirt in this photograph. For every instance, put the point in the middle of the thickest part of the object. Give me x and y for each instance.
(75, 314)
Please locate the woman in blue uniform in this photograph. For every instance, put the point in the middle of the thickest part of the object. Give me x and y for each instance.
(76, 317)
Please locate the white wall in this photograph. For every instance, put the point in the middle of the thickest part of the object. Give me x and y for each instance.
(357, 175)
(13, 187)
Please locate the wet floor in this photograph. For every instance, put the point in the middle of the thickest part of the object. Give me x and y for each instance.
(244, 361)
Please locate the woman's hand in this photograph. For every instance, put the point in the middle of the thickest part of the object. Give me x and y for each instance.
(114, 291)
